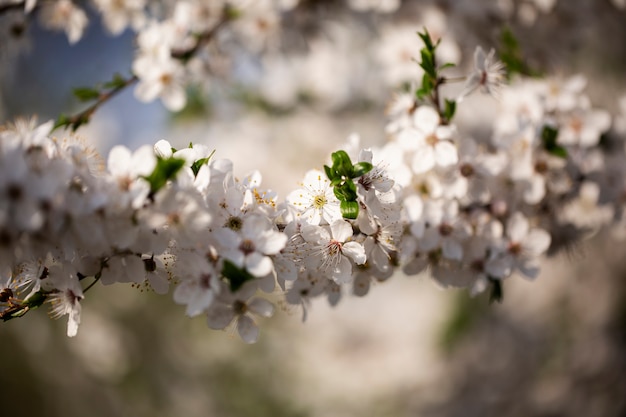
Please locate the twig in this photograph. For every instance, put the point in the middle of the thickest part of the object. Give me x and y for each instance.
(83, 117)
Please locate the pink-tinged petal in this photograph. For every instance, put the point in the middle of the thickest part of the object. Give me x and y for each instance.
(247, 329)
(261, 307)
(446, 154)
(536, 242)
(354, 251)
(517, 227)
(220, 316)
(258, 265)
(341, 230)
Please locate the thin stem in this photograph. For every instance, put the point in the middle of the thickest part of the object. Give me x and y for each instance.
(83, 117)
(96, 279)
(202, 39)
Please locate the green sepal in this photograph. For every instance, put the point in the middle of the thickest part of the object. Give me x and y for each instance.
(349, 209)
(449, 110)
(361, 168)
(235, 276)
(198, 164)
(549, 135)
(342, 164)
(329, 173)
(165, 170)
(346, 191)
(86, 93)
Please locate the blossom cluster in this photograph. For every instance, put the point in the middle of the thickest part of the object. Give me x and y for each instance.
(474, 212)
(472, 209)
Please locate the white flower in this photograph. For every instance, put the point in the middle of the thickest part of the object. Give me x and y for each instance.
(520, 250)
(118, 14)
(126, 170)
(64, 15)
(66, 296)
(331, 252)
(250, 247)
(488, 74)
(197, 289)
(431, 141)
(316, 200)
(239, 307)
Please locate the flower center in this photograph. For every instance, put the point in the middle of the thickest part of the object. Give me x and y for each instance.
(319, 201)
(234, 223)
(247, 246)
(334, 248)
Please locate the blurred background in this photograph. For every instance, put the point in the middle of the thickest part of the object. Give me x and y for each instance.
(553, 347)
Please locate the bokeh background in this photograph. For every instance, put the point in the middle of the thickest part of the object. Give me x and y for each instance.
(553, 347)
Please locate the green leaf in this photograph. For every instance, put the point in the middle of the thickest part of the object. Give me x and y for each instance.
(165, 170)
(446, 65)
(361, 168)
(346, 191)
(117, 82)
(63, 120)
(195, 167)
(426, 39)
(330, 173)
(235, 276)
(342, 164)
(428, 63)
(549, 136)
(349, 209)
(86, 93)
(449, 110)
(427, 87)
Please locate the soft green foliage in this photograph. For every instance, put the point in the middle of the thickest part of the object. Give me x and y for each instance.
(341, 176)
(432, 78)
(549, 135)
(450, 109)
(165, 170)
(235, 276)
(511, 56)
(86, 93)
(465, 312)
